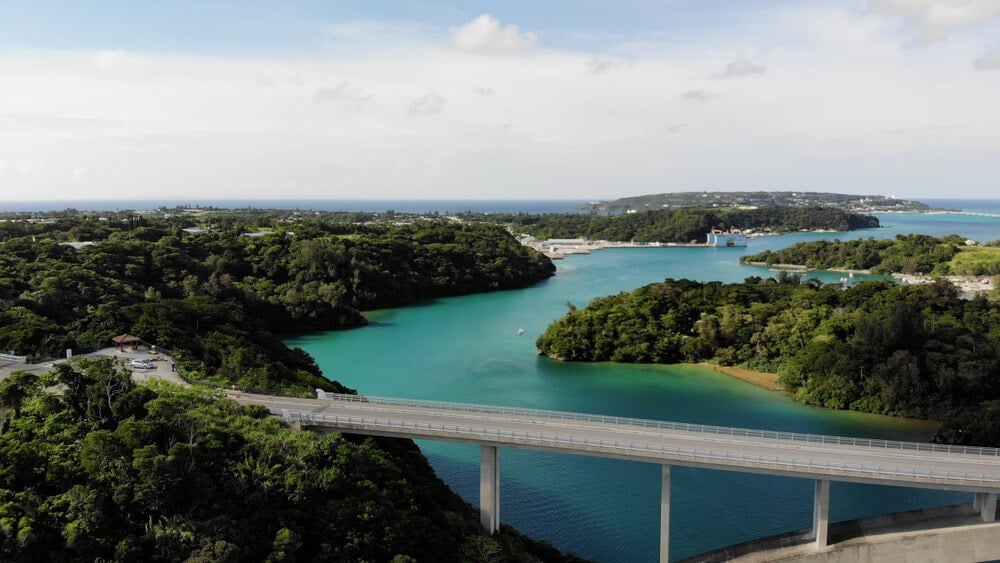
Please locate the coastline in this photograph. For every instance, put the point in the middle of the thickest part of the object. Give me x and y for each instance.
(769, 381)
(764, 379)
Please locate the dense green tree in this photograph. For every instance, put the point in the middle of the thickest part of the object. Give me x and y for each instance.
(169, 474)
(110, 470)
(917, 351)
(682, 225)
(907, 254)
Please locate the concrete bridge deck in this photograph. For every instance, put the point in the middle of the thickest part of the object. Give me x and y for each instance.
(818, 457)
(734, 449)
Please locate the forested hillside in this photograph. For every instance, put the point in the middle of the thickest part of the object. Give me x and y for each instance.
(216, 296)
(687, 224)
(107, 470)
(112, 471)
(916, 351)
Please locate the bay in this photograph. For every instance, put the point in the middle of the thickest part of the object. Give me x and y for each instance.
(468, 349)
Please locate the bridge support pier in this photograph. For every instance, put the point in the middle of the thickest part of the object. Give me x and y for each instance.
(489, 489)
(821, 513)
(665, 514)
(287, 418)
(986, 504)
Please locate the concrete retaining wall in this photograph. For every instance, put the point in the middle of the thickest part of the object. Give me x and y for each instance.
(954, 534)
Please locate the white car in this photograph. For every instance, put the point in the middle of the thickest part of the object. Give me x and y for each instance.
(141, 364)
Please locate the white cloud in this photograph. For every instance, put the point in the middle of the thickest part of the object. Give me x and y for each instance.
(79, 174)
(988, 61)
(429, 104)
(600, 65)
(342, 92)
(117, 59)
(486, 34)
(932, 21)
(696, 96)
(119, 64)
(511, 127)
(739, 68)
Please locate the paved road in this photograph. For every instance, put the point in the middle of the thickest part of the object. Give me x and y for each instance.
(798, 455)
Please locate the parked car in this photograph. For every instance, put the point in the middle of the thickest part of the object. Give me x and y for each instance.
(141, 364)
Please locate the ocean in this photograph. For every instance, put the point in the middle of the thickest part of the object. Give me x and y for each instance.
(989, 206)
(367, 205)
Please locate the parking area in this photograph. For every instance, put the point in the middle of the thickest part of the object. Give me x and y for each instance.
(162, 366)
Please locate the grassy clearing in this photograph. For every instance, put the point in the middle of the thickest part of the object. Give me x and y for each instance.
(976, 261)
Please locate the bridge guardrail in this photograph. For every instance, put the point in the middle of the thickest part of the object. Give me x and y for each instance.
(665, 425)
(639, 448)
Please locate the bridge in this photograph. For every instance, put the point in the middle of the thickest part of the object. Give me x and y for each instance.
(821, 458)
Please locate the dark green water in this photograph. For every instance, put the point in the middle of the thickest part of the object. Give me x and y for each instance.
(468, 349)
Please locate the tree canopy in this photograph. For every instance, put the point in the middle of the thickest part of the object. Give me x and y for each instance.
(216, 296)
(682, 225)
(917, 351)
(906, 254)
(110, 470)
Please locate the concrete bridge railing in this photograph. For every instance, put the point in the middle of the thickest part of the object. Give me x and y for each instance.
(666, 425)
(821, 458)
(637, 449)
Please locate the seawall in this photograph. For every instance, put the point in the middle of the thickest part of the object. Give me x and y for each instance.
(952, 533)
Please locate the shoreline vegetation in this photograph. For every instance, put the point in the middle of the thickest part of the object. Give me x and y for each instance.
(771, 381)
(914, 259)
(911, 351)
(682, 225)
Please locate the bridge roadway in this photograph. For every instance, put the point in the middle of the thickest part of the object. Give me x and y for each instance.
(822, 458)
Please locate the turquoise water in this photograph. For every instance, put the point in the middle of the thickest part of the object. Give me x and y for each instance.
(468, 349)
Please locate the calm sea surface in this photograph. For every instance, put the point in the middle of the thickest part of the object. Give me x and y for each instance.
(368, 205)
(468, 349)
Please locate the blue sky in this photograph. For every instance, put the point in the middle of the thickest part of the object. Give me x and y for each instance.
(271, 26)
(583, 99)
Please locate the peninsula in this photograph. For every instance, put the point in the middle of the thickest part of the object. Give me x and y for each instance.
(915, 351)
(685, 225)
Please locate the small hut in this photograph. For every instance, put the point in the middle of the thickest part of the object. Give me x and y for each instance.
(124, 340)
